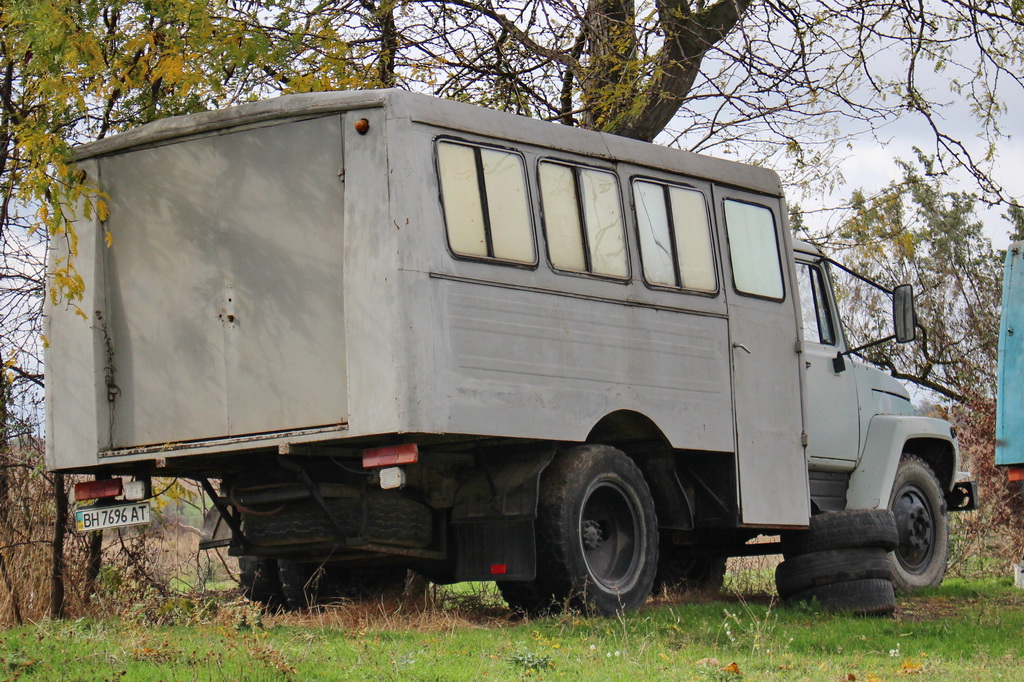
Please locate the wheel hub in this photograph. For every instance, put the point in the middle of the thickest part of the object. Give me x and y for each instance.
(592, 533)
(916, 528)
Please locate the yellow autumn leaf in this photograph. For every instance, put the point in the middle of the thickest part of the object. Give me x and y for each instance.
(910, 666)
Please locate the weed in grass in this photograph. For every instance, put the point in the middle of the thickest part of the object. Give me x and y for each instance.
(16, 662)
(531, 662)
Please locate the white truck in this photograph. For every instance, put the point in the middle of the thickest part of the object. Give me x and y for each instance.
(402, 332)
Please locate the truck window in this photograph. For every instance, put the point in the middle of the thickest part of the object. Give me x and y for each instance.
(814, 305)
(753, 250)
(583, 219)
(486, 209)
(675, 236)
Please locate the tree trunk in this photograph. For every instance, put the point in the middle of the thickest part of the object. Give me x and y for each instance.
(57, 558)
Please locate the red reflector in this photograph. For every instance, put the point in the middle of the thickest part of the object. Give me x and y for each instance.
(1015, 473)
(391, 456)
(499, 569)
(93, 490)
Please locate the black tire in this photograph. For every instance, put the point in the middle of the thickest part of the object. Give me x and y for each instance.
(680, 568)
(379, 516)
(851, 529)
(833, 566)
(873, 597)
(260, 581)
(310, 584)
(527, 597)
(597, 532)
(922, 526)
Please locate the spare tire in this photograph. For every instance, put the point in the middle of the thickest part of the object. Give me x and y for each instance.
(851, 529)
(874, 597)
(833, 566)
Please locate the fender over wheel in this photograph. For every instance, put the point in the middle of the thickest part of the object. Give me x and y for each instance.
(919, 506)
(597, 532)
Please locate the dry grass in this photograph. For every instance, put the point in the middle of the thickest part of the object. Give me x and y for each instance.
(146, 570)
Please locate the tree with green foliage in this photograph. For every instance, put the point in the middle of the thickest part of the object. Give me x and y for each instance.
(918, 231)
(773, 82)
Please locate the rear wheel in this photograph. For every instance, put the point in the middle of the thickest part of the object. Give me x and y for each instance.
(260, 581)
(681, 568)
(310, 584)
(527, 598)
(920, 510)
(597, 533)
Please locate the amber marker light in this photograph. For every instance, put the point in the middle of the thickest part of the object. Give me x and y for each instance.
(362, 126)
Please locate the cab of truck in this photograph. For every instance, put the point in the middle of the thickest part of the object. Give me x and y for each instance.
(866, 446)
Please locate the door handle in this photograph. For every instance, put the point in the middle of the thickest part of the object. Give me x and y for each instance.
(741, 347)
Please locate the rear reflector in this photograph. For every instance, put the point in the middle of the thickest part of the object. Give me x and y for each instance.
(1015, 473)
(94, 490)
(499, 569)
(391, 456)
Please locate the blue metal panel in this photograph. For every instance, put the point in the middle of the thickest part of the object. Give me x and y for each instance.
(1010, 404)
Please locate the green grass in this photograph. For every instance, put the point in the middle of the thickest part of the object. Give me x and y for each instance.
(961, 631)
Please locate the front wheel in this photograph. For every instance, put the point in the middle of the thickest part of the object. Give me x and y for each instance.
(597, 533)
(920, 510)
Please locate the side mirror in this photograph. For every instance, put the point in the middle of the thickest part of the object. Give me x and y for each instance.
(903, 315)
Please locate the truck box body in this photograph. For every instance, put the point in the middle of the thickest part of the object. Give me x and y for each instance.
(274, 276)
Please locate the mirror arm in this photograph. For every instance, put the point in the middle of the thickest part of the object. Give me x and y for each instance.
(866, 280)
(839, 362)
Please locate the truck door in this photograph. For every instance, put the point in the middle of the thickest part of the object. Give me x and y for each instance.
(771, 465)
(832, 408)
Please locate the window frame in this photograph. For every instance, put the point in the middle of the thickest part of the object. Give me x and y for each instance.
(577, 166)
(530, 212)
(778, 251)
(666, 185)
(821, 300)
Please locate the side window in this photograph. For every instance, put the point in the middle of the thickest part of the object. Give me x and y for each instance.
(675, 236)
(753, 250)
(814, 305)
(583, 219)
(486, 207)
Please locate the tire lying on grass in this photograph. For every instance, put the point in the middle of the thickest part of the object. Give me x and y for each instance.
(832, 566)
(851, 529)
(841, 563)
(874, 597)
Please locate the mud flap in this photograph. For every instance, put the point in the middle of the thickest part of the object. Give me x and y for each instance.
(493, 518)
(496, 550)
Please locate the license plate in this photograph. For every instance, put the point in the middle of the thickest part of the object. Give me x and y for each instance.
(97, 518)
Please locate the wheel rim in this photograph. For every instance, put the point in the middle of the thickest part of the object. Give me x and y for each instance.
(915, 522)
(610, 535)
